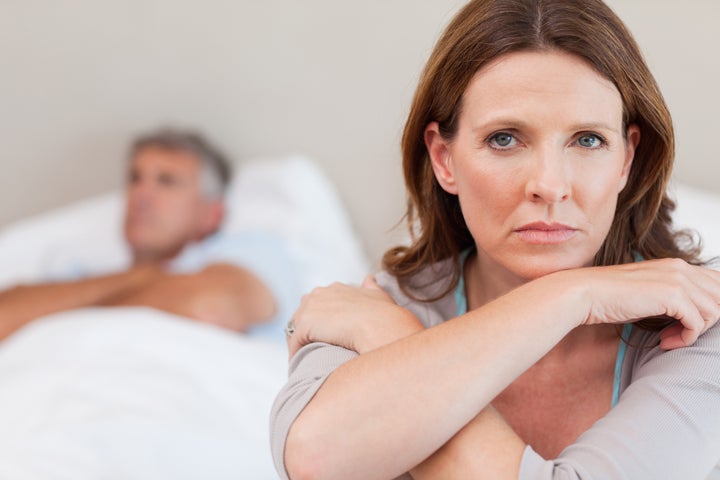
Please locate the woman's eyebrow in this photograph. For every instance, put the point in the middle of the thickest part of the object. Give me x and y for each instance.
(516, 124)
(595, 126)
(500, 122)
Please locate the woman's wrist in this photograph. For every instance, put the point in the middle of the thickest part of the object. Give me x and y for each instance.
(570, 291)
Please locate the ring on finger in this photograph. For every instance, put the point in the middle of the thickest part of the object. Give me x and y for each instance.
(290, 328)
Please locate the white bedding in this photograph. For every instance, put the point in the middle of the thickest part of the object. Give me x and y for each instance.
(134, 393)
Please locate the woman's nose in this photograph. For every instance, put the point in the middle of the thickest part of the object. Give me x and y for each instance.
(548, 181)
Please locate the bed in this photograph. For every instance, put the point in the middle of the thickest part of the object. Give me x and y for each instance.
(131, 392)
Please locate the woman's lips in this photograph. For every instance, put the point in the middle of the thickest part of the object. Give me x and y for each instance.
(540, 233)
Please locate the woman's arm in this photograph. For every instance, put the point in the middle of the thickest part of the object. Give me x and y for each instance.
(666, 425)
(486, 448)
(383, 413)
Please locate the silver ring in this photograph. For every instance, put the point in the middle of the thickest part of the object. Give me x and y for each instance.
(290, 328)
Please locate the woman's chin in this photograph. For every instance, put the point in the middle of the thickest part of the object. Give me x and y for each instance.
(533, 268)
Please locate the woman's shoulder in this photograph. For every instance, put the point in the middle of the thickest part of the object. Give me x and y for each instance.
(698, 359)
(432, 282)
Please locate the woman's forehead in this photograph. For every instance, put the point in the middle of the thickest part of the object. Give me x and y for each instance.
(539, 85)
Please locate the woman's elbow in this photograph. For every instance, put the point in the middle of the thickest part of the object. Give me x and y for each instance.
(305, 457)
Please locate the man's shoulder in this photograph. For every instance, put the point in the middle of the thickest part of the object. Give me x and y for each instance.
(239, 249)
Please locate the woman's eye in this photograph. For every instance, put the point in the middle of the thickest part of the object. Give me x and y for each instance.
(502, 140)
(590, 141)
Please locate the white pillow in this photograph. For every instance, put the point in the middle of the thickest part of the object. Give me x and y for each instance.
(295, 198)
(290, 196)
(88, 232)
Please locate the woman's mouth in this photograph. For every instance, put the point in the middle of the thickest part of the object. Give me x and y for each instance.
(541, 233)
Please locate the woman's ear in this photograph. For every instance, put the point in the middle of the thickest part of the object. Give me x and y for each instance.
(632, 139)
(440, 158)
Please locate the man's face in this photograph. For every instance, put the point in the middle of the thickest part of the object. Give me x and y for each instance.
(165, 207)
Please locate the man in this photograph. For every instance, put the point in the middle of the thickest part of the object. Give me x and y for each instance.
(174, 202)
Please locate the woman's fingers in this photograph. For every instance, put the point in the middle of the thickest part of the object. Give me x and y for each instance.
(704, 292)
(355, 318)
(708, 281)
(669, 287)
(670, 337)
(678, 335)
(297, 331)
(334, 314)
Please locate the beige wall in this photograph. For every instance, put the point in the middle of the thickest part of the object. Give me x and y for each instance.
(328, 78)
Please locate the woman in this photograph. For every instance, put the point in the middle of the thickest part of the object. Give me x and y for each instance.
(545, 322)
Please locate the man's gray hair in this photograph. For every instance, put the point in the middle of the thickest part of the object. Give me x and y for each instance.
(215, 168)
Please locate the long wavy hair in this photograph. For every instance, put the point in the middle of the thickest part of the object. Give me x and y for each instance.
(487, 29)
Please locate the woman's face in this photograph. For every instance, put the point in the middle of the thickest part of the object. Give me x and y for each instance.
(537, 162)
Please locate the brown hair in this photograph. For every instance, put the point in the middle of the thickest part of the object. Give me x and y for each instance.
(481, 32)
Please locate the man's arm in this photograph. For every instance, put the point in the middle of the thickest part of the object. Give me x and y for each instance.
(24, 303)
(221, 294)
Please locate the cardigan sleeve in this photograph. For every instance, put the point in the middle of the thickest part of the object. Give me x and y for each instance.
(666, 423)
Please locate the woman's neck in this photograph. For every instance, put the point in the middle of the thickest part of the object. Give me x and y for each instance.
(485, 280)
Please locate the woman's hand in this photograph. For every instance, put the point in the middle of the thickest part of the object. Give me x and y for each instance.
(668, 287)
(356, 318)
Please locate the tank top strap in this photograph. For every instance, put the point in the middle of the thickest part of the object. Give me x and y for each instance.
(460, 297)
(624, 337)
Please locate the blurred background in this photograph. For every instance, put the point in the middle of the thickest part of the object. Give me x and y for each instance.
(329, 79)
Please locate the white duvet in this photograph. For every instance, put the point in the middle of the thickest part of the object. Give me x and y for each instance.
(131, 393)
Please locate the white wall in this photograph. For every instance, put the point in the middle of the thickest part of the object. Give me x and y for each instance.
(680, 40)
(329, 78)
